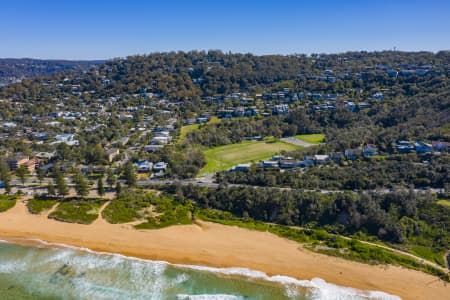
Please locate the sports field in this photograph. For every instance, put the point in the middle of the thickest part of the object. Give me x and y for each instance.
(224, 157)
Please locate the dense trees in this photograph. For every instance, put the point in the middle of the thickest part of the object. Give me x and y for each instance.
(399, 217)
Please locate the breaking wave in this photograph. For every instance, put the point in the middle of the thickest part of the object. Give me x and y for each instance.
(59, 270)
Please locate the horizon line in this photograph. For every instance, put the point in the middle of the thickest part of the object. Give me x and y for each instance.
(227, 52)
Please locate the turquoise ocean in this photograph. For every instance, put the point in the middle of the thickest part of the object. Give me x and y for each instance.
(52, 271)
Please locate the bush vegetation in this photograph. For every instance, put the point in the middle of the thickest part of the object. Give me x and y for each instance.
(7, 202)
(77, 210)
(40, 204)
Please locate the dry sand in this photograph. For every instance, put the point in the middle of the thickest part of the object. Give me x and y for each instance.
(222, 246)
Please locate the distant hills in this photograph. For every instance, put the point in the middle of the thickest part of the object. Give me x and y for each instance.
(15, 69)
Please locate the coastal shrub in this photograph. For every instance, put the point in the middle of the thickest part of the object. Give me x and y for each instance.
(40, 204)
(128, 207)
(7, 202)
(169, 212)
(77, 210)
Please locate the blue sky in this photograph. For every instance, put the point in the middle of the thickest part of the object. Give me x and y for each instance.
(93, 29)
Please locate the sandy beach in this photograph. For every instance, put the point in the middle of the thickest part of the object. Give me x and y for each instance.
(216, 245)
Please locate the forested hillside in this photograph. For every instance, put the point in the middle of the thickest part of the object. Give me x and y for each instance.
(15, 69)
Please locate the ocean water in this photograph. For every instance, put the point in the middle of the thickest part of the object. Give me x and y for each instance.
(51, 271)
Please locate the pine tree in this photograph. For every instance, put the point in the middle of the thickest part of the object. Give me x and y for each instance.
(22, 173)
(40, 175)
(81, 186)
(111, 179)
(130, 174)
(100, 188)
(61, 184)
(118, 188)
(51, 189)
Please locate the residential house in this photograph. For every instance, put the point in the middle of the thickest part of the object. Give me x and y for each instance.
(241, 168)
(307, 162)
(336, 157)
(153, 148)
(18, 161)
(160, 166)
(404, 147)
(46, 155)
(440, 146)
(122, 141)
(269, 164)
(352, 154)
(66, 138)
(143, 166)
(369, 150)
(111, 154)
(422, 147)
(160, 140)
(321, 159)
(281, 109)
(289, 164)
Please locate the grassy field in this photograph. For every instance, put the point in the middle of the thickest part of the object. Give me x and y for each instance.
(82, 211)
(7, 202)
(311, 138)
(224, 157)
(38, 205)
(444, 202)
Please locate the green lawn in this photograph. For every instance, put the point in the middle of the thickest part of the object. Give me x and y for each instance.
(444, 202)
(224, 157)
(311, 138)
(75, 210)
(7, 202)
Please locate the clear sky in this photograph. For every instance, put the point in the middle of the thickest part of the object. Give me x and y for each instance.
(94, 29)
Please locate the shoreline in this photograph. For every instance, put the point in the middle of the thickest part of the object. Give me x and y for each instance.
(219, 246)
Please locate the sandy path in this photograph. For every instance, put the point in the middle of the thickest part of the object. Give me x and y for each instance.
(222, 246)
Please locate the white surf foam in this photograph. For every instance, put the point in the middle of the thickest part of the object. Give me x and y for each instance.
(317, 287)
(208, 297)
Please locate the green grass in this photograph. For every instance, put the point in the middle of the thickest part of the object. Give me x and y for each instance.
(444, 202)
(429, 254)
(7, 202)
(224, 157)
(75, 210)
(38, 205)
(311, 138)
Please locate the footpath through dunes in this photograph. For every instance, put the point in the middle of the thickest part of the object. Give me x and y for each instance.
(217, 245)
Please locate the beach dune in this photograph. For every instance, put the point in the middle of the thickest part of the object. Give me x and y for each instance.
(217, 245)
